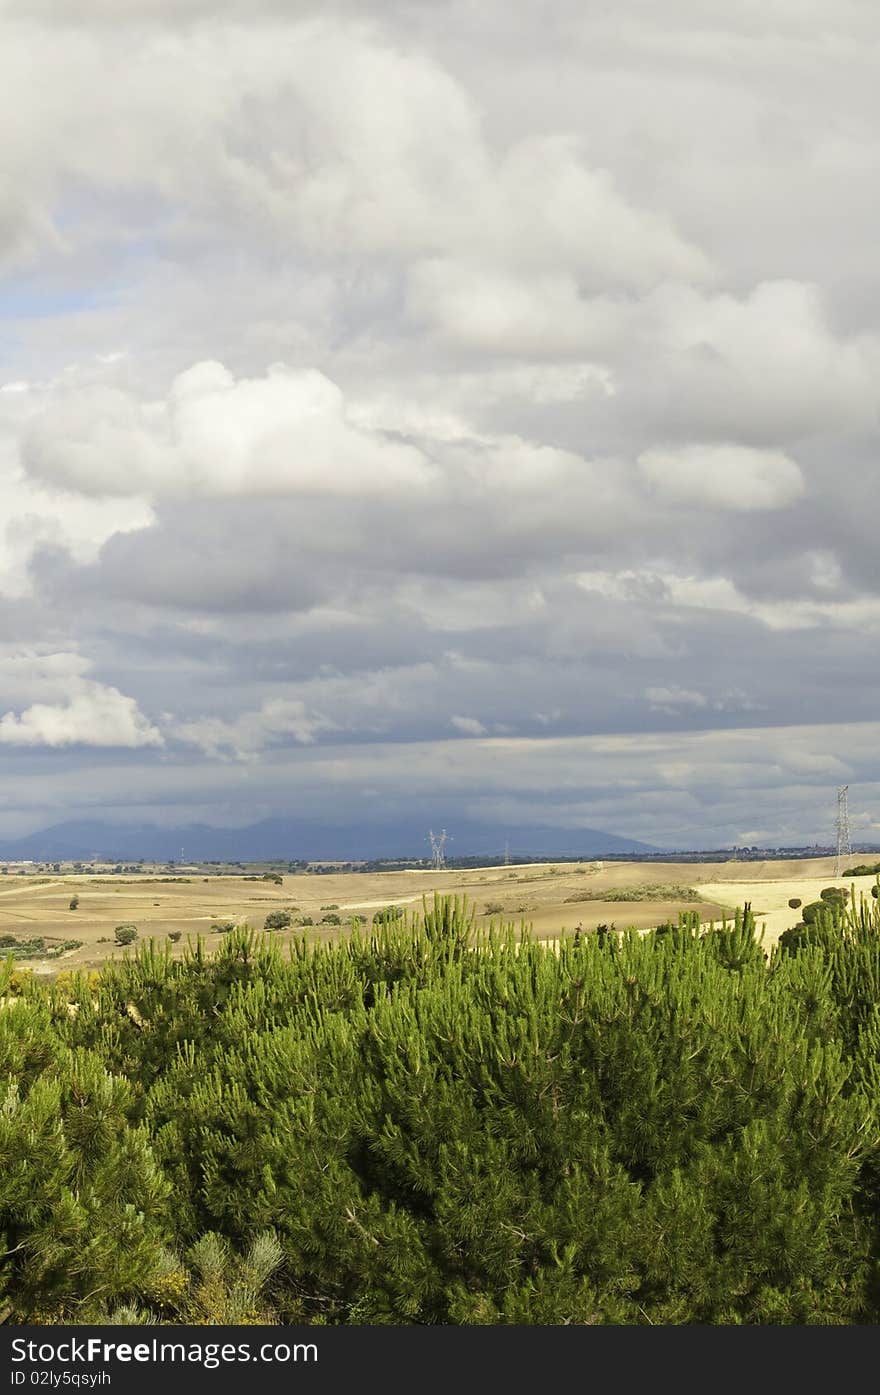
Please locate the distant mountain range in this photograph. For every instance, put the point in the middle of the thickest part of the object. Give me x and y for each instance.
(299, 838)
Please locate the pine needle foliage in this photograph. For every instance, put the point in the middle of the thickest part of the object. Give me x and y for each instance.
(435, 1122)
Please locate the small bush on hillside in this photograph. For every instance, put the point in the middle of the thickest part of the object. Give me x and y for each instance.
(388, 915)
(657, 892)
(277, 920)
(126, 934)
(833, 893)
(74, 903)
(795, 902)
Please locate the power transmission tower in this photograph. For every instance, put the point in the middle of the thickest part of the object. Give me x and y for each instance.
(844, 845)
(507, 853)
(438, 843)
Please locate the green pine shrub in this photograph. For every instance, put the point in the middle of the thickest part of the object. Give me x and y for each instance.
(429, 1122)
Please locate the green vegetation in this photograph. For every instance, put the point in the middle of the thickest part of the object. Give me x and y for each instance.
(388, 915)
(35, 948)
(277, 920)
(428, 1123)
(126, 934)
(140, 881)
(638, 893)
(832, 896)
(864, 869)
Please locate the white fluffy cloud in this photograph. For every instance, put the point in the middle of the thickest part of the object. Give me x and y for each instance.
(671, 699)
(36, 514)
(213, 437)
(468, 726)
(501, 311)
(546, 236)
(278, 720)
(93, 714)
(333, 134)
(767, 361)
(722, 477)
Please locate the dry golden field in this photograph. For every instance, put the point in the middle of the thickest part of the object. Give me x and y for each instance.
(537, 894)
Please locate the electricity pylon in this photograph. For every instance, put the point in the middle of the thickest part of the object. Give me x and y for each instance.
(844, 845)
(438, 842)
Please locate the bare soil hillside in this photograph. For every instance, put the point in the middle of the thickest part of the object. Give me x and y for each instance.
(550, 899)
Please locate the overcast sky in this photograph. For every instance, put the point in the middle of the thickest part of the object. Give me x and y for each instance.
(442, 408)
